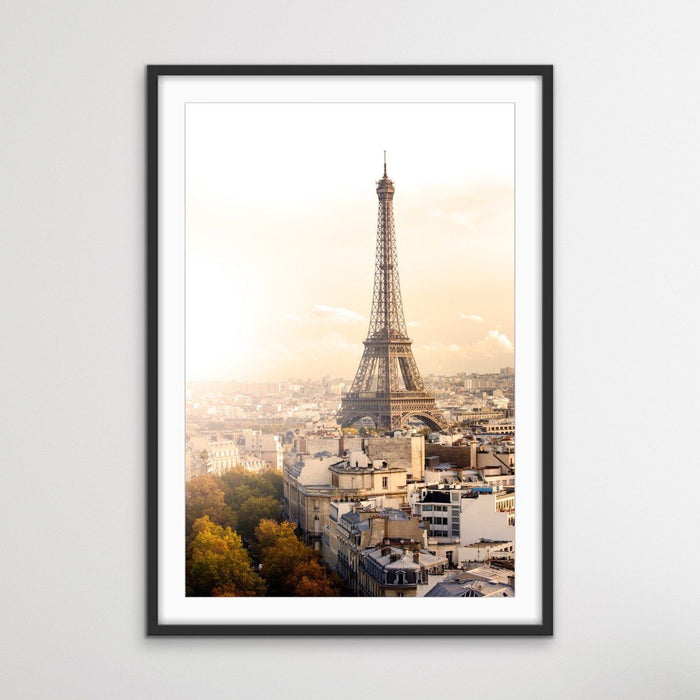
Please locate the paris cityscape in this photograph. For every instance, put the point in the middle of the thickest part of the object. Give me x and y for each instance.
(390, 484)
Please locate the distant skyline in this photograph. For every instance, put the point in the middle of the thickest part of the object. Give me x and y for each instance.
(280, 233)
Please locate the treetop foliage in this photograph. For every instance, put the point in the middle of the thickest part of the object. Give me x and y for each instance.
(218, 561)
(289, 567)
(204, 496)
(234, 526)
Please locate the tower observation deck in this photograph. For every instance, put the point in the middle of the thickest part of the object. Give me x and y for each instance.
(388, 387)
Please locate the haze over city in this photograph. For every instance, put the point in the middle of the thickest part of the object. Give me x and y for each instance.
(281, 235)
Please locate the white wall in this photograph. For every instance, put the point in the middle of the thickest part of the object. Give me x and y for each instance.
(316, 471)
(73, 334)
(479, 518)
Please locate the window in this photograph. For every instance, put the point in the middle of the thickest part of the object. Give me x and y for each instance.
(385, 482)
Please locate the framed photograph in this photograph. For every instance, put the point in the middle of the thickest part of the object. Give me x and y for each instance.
(349, 313)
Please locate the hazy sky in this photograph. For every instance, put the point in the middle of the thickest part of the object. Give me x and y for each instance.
(281, 216)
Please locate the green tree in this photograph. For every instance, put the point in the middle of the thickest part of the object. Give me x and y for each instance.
(239, 486)
(255, 509)
(218, 564)
(275, 480)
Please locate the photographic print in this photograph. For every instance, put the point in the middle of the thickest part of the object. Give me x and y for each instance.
(347, 319)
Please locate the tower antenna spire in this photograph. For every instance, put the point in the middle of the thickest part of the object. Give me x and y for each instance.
(384, 163)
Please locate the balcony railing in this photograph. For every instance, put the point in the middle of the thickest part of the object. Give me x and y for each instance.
(383, 394)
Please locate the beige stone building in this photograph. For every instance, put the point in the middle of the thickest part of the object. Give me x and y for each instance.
(266, 446)
(223, 456)
(379, 550)
(403, 452)
(355, 526)
(310, 483)
(395, 570)
(307, 494)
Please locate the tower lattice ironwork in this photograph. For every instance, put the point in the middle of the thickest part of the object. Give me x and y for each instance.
(388, 386)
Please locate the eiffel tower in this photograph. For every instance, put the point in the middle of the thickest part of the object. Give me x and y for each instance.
(388, 387)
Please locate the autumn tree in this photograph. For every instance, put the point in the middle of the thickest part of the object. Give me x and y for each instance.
(288, 566)
(309, 578)
(278, 564)
(204, 496)
(218, 564)
(226, 590)
(268, 532)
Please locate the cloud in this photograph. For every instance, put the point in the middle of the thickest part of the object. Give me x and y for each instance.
(494, 343)
(328, 315)
(337, 314)
(413, 324)
(472, 317)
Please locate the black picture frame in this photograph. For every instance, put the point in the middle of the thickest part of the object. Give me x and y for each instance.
(156, 628)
